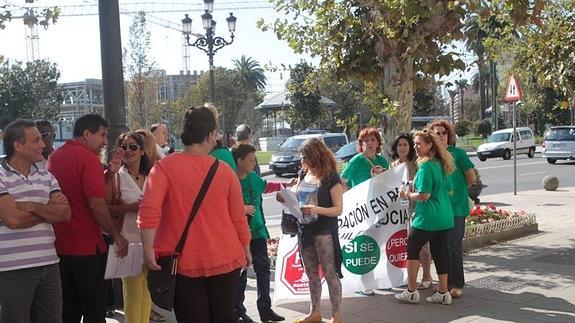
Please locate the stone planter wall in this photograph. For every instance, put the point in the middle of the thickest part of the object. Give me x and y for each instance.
(480, 235)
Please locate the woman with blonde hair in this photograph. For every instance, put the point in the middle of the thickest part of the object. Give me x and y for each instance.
(461, 178)
(149, 144)
(433, 215)
(320, 192)
(403, 151)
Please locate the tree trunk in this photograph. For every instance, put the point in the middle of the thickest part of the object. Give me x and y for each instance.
(398, 86)
(482, 92)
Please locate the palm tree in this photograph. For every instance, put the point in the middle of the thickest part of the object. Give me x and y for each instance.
(461, 86)
(474, 36)
(251, 72)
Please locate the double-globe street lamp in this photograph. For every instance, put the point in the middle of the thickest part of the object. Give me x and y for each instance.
(210, 43)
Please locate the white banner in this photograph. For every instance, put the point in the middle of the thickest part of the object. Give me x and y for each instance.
(372, 235)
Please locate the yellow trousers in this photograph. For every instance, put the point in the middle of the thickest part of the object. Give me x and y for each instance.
(137, 300)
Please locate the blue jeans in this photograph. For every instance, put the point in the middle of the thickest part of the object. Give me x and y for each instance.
(456, 278)
(261, 262)
(31, 295)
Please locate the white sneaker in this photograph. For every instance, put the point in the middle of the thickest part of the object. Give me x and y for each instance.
(437, 297)
(407, 296)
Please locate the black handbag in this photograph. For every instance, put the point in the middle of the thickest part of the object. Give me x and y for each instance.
(289, 224)
(162, 283)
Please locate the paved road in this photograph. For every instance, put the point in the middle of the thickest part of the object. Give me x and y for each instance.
(496, 173)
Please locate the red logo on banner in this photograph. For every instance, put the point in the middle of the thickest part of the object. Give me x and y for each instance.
(293, 273)
(396, 249)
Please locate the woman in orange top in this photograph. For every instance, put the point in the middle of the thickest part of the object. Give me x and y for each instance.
(217, 245)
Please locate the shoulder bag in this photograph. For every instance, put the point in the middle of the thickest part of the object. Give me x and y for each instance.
(162, 283)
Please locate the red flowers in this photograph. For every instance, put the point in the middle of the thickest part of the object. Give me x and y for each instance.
(490, 213)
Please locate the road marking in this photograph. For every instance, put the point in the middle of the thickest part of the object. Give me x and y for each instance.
(535, 173)
(503, 166)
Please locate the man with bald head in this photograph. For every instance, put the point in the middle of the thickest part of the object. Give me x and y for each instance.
(244, 136)
(160, 132)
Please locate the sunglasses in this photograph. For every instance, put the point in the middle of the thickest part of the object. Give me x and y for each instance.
(133, 147)
(441, 133)
(47, 134)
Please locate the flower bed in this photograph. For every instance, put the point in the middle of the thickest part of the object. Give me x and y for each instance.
(486, 219)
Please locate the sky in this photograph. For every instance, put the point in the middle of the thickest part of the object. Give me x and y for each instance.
(74, 41)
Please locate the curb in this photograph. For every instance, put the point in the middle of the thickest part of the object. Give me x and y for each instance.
(498, 237)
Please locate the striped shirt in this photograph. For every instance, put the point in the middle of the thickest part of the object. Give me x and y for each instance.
(33, 246)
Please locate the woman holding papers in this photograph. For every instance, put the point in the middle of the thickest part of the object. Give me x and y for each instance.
(320, 193)
(433, 215)
(368, 162)
(461, 178)
(123, 195)
(365, 165)
(403, 151)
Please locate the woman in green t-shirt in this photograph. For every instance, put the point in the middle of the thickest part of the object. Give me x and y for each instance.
(461, 178)
(368, 162)
(365, 165)
(433, 215)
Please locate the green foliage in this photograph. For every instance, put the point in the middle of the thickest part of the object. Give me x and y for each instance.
(31, 16)
(141, 85)
(483, 128)
(233, 99)
(29, 91)
(251, 72)
(348, 96)
(462, 128)
(304, 96)
(547, 51)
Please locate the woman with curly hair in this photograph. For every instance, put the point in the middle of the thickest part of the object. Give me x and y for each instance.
(368, 162)
(433, 215)
(461, 178)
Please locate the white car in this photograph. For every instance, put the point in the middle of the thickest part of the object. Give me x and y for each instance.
(559, 143)
(500, 144)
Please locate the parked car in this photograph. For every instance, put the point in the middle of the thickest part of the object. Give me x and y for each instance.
(287, 158)
(500, 144)
(347, 152)
(559, 143)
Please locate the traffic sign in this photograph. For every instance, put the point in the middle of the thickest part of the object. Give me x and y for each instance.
(513, 92)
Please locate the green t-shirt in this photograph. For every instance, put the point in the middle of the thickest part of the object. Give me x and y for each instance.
(460, 193)
(253, 187)
(436, 213)
(224, 154)
(358, 170)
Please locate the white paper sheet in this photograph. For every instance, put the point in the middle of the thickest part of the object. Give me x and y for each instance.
(131, 265)
(291, 205)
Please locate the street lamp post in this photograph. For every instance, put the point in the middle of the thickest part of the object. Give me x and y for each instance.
(210, 43)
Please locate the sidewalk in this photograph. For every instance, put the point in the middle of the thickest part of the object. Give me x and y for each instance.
(531, 279)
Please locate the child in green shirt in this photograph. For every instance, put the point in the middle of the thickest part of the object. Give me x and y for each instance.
(253, 187)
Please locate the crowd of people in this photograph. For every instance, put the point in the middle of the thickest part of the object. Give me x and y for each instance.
(59, 207)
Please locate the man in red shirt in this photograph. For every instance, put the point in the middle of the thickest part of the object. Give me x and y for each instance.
(79, 242)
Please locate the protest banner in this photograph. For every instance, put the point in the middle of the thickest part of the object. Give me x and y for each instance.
(373, 236)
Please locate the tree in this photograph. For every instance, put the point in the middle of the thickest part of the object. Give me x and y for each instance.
(461, 86)
(384, 41)
(141, 87)
(305, 98)
(230, 96)
(547, 51)
(251, 73)
(29, 91)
